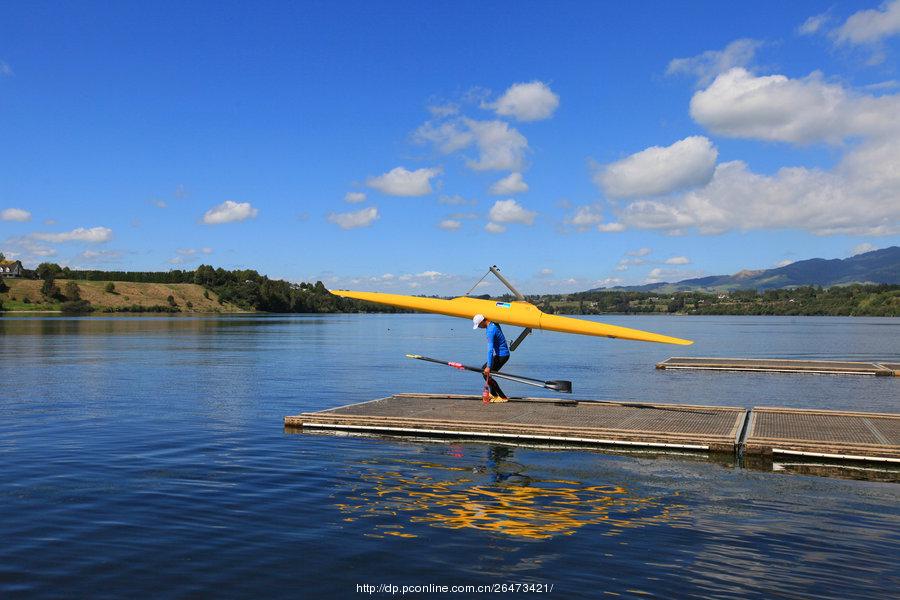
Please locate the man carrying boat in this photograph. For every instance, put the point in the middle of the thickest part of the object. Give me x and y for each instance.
(497, 354)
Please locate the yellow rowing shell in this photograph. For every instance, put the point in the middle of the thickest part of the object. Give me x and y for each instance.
(522, 314)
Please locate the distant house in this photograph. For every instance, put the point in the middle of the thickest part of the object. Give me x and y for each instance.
(11, 268)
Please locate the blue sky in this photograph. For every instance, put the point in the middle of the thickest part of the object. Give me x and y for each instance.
(407, 146)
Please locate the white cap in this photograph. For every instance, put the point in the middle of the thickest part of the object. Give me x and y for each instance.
(476, 321)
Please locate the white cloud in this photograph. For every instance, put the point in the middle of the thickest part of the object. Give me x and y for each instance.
(500, 147)
(591, 216)
(193, 251)
(447, 136)
(586, 217)
(890, 84)
(510, 211)
(776, 108)
(704, 67)
(15, 214)
(26, 249)
(355, 197)
(870, 26)
(160, 204)
(678, 260)
(784, 263)
(5, 69)
(657, 275)
(633, 258)
(94, 235)
(511, 184)
(859, 197)
(492, 227)
(450, 224)
(862, 248)
(526, 102)
(607, 282)
(428, 281)
(444, 110)
(229, 212)
(463, 215)
(402, 182)
(39, 250)
(188, 255)
(659, 170)
(450, 284)
(354, 220)
(100, 256)
(813, 24)
(456, 200)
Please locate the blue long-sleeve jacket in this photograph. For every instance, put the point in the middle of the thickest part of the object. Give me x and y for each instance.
(496, 342)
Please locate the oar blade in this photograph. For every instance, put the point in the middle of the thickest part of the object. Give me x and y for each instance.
(560, 385)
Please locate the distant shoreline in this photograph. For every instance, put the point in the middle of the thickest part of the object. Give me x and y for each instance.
(53, 289)
(129, 314)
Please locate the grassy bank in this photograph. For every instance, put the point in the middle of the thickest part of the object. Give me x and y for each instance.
(125, 296)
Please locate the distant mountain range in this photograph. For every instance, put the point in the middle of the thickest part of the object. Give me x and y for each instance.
(878, 266)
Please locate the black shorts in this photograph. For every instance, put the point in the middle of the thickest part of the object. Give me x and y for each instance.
(497, 362)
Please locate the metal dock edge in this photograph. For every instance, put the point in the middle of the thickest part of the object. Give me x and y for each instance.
(779, 365)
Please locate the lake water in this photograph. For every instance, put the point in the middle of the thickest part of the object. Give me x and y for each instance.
(146, 457)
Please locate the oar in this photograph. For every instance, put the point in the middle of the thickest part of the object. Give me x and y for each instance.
(556, 386)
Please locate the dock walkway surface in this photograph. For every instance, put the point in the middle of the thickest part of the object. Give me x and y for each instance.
(714, 429)
(539, 419)
(824, 434)
(783, 365)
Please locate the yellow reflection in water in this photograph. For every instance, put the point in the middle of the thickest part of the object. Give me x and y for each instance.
(498, 500)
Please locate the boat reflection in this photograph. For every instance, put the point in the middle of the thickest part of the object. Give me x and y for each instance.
(496, 496)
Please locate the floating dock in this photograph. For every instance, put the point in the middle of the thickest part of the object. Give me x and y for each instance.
(824, 434)
(778, 365)
(700, 428)
(766, 432)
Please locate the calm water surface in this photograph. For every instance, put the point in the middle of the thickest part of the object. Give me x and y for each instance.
(146, 457)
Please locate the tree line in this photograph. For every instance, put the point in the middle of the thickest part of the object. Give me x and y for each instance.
(249, 290)
(879, 300)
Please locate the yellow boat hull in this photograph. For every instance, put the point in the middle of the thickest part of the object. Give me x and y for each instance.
(521, 314)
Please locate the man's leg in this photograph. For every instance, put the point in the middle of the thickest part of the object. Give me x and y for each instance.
(483, 376)
(497, 363)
